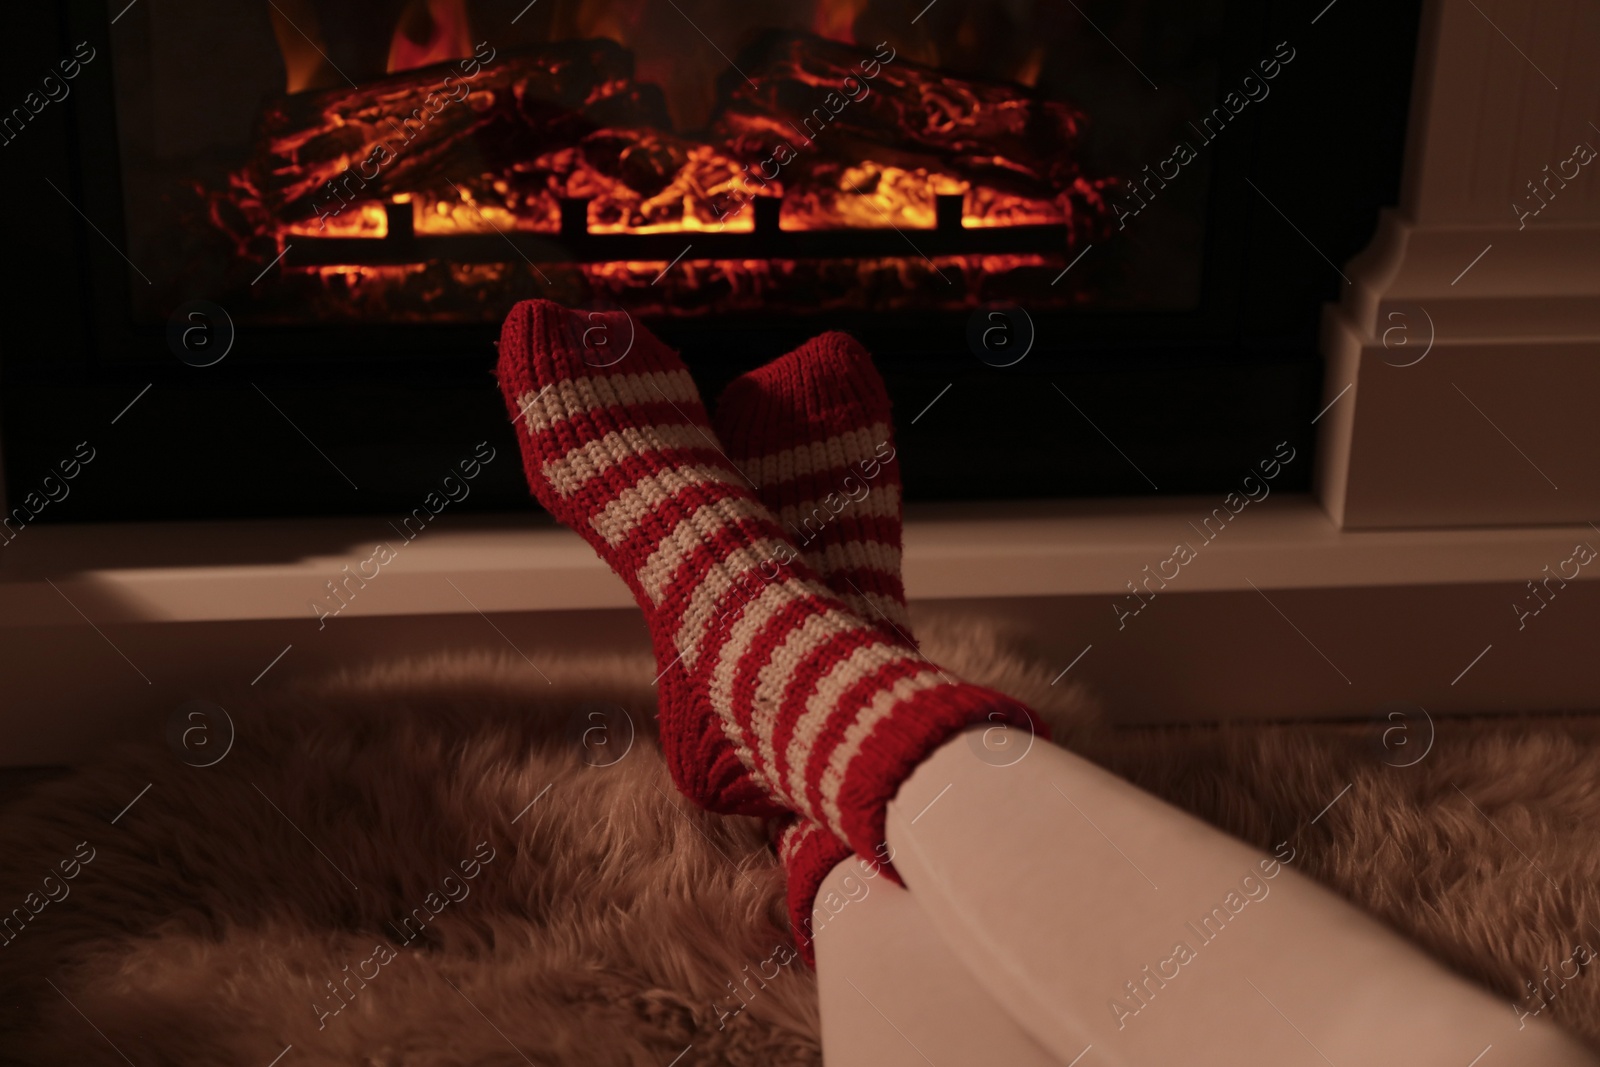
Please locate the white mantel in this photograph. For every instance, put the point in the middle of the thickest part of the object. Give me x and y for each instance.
(1495, 425)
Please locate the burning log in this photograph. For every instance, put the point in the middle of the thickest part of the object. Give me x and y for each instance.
(318, 153)
(553, 162)
(645, 179)
(883, 99)
(833, 120)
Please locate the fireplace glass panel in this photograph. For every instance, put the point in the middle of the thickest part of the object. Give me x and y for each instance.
(432, 161)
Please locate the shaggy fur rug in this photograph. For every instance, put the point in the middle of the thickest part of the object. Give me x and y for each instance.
(453, 862)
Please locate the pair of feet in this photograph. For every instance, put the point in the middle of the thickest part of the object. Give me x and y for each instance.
(790, 686)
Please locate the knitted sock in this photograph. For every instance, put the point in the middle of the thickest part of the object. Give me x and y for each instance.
(788, 699)
(813, 431)
(808, 852)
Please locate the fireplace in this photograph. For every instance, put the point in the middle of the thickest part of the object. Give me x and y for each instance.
(429, 162)
(1086, 242)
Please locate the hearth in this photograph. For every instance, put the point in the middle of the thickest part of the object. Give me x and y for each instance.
(341, 198)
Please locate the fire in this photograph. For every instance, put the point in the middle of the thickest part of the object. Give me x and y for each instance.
(617, 20)
(871, 195)
(1032, 66)
(413, 293)
(537, 129)
(428, 32)
(299, 34)
(836, 19)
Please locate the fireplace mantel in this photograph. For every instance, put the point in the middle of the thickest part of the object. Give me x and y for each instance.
(1475, 312)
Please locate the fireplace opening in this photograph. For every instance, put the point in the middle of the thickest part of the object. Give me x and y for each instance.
(1145, 200)
(429, 161)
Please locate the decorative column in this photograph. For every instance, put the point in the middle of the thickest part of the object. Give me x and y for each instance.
(1463, 380)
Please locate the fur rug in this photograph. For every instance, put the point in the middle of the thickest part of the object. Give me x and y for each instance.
(452, 861)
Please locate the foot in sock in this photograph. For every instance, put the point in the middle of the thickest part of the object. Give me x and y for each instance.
(813, 431)
(787, 700)
(808, 853)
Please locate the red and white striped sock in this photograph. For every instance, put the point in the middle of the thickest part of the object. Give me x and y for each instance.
(808, 853)
(813, 431)
(787, 699)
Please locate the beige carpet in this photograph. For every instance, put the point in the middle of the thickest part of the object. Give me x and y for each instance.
(567, 907)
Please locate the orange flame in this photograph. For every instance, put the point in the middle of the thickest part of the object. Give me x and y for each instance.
(1032, 66)
(298, 32)
(836, 19)
(430, 31)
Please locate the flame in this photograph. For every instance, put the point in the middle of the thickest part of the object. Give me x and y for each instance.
(637, 179)
(1028, 73)
(430, 31)
(872, 195)
(618, 20)
(298, 33)
(836, 19)
(364, 220)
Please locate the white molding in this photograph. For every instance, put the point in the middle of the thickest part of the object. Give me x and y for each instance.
(1502, 88)
(1505, 302)
(236, 572)
(1281, 616)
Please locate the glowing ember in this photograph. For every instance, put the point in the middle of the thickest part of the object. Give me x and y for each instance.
(466, 293)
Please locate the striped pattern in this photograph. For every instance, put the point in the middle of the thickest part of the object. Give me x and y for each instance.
(858, 558)
(813, 431)
(619, 519)
(781, 697)
(805, 459)
(808, 853)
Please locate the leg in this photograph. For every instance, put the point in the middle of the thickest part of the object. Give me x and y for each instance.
(787, 700)
(892, 992)
(1101, 915)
